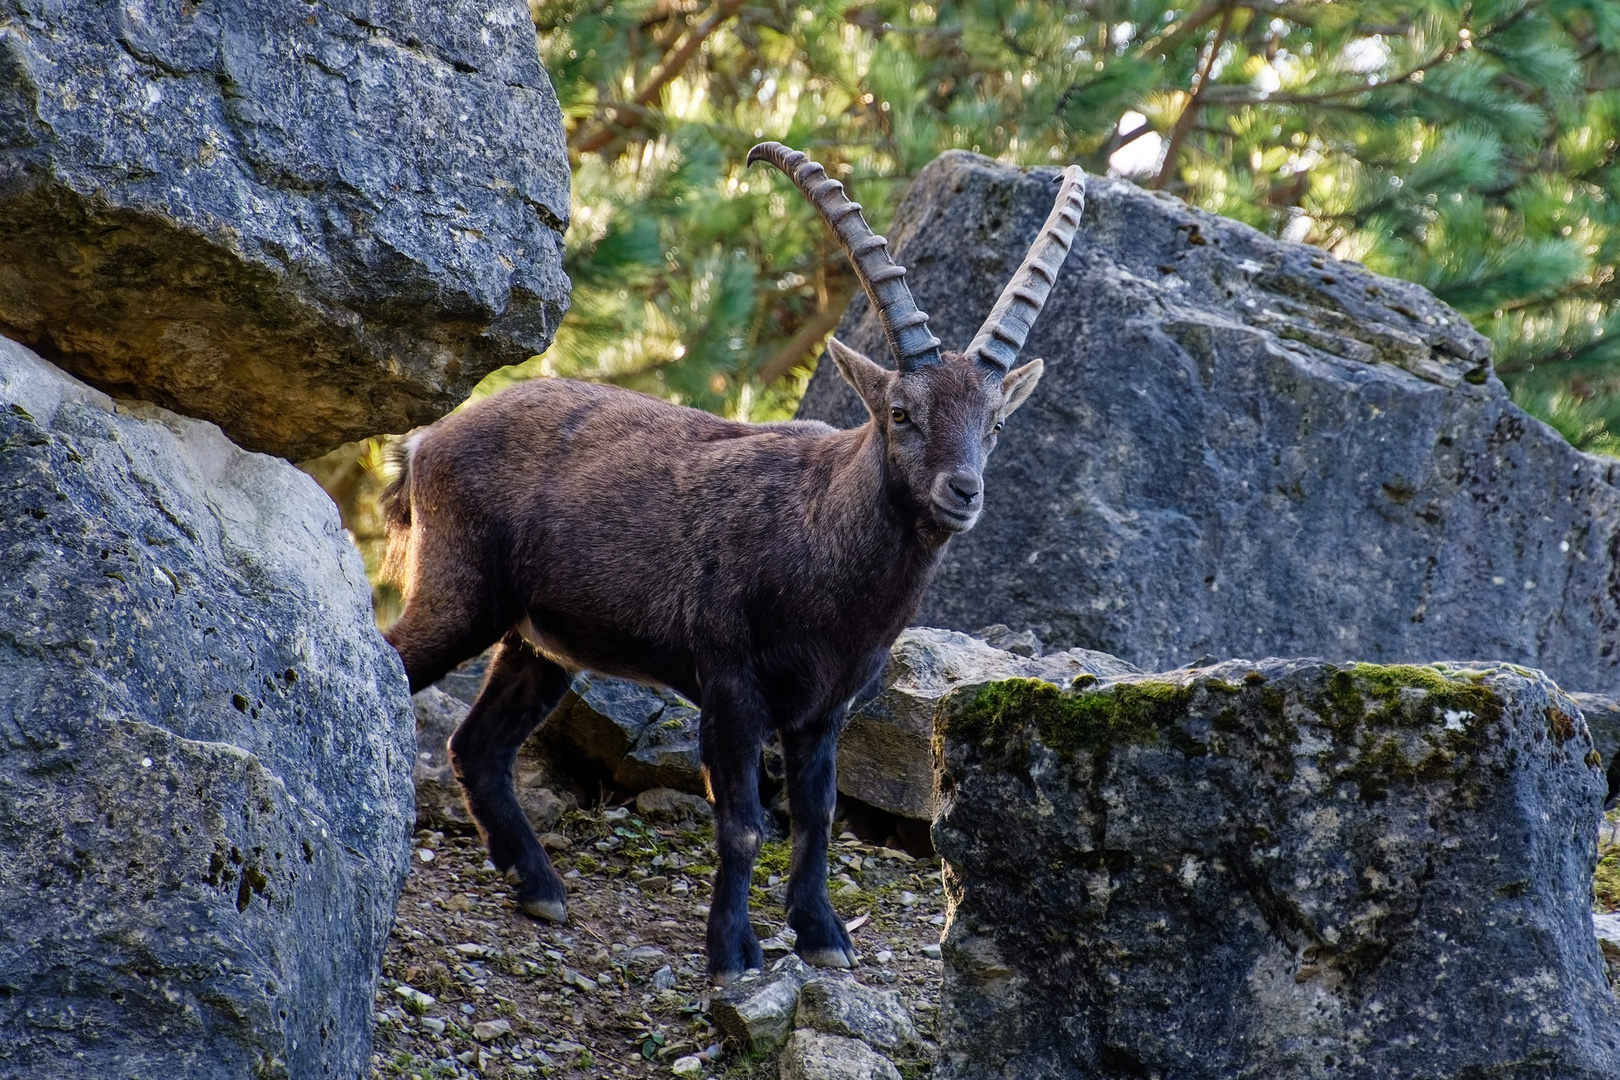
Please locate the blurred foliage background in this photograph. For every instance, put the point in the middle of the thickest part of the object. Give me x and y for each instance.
(1467, 146)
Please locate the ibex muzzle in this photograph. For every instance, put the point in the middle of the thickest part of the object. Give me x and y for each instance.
(761, 570)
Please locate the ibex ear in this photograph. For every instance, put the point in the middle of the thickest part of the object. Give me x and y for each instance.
(870, 380)
(1019, 384)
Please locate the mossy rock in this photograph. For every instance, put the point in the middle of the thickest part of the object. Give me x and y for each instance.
(1389, 723)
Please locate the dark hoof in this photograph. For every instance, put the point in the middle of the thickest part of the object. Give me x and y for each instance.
(724, 979)
(550, 910)
(829, 958)
(823, 941)
(732, 955)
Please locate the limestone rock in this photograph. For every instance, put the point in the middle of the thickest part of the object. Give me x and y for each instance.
(1002, 636)
(1602, 715)
(307, 223)
(1283, 869)
(1244, 447)
(810, 1055)
(205, 750)
(1607, 929)
(885, 756)
(667, 804)
(639, 736)
(756, 1012)
(842, 1006)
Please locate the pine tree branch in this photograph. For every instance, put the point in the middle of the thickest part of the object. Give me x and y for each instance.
(1162, 44)
(1236, 100)
(663, 75)
(1178, 134)
(1558, 357)
(807, 337)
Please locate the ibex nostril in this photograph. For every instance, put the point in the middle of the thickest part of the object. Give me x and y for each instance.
(966, 487)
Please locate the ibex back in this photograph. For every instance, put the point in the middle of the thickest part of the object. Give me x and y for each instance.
(761, 570)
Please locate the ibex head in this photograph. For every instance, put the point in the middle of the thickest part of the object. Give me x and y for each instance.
(940, 412)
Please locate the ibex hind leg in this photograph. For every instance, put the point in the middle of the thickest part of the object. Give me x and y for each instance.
(441, 629)
(521, 688)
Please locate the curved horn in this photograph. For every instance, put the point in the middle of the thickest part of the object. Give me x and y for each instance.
(1009, 322)
(905, 327)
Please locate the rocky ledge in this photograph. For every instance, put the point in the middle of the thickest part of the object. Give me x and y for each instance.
(305, 222)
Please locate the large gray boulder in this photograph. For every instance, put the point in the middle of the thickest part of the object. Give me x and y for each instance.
(1283, 869)
(308, 223)
(205, 752)
(1246, 448)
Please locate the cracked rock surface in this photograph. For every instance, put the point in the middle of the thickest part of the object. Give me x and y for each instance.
(1279, 868)
(205, 751)
(305, 222)
(1244, 447)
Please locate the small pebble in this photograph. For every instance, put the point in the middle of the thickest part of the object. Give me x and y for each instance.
(884, 956)
(425, 854)
(415, 996)
(433, 1025)
(690, 1065)
(574, 978)
(931, 951)
(488, 1030)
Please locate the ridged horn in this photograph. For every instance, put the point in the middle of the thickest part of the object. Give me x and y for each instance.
(1004, 331)
(885, 283)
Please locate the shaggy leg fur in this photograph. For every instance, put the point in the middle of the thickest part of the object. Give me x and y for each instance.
(522, 687)
(812, 786)
(730, 737)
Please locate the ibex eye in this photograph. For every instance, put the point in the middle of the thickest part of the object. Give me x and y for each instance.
(997, 429)
(898, 415)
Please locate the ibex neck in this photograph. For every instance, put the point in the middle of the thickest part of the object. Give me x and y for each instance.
(870, 502)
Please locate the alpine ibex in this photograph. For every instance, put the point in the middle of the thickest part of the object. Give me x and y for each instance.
(761, 570)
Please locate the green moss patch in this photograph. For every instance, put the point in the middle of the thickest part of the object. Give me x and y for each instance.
(1393, 723)
(1068, 720)
(1381, 693)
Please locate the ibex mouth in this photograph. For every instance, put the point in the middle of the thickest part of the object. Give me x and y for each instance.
(953, 520)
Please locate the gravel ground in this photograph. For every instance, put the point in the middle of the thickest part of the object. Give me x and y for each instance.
(474, 988)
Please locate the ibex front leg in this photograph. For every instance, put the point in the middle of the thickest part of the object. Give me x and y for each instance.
(731, 737)
(811, 757)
